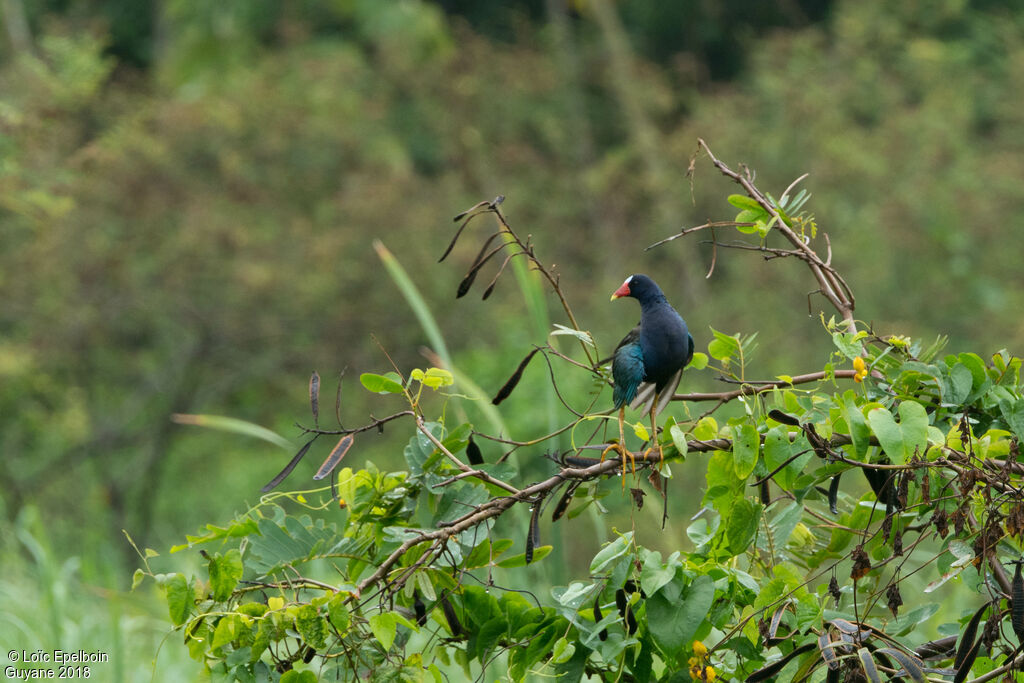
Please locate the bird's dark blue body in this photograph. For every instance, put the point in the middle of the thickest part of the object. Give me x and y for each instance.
(655, 352)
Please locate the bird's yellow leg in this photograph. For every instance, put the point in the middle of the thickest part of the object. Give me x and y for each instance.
(654, 434)
(621, 446)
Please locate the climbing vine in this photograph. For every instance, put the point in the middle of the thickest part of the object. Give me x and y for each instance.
(837, 501)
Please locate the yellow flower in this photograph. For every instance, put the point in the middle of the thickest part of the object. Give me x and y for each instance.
(703, 673)
(699, 649)
(860, 369)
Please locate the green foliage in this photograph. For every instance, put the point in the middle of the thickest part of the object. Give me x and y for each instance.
(828, 511)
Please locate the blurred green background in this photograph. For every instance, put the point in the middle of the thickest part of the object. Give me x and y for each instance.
(189, 192)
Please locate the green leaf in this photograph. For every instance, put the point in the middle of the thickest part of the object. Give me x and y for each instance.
(579, 334)
(138, 577)
(744, 450)
(742, 525)
(311, 626)
(741, 201)
(674, 614)
(848, 343)
(960, 382)
(615, 549)
(482, 554)
(679, 439)
(226, 631)
(699, 361)
(180, 598)
(519, 560)
(562, 651)
(1013, 413)
(294, 676)
(655, 573)
(706, 429)
(859, 431)
(723, 346)
(389, 383)
(337, 612)
(883, 424)
(225, 573)
(436, 378)
(230, 424)
(385, 627)
(641, 431)
(900, 441)
(914, 425)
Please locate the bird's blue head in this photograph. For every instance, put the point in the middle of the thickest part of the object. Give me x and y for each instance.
(640, 287)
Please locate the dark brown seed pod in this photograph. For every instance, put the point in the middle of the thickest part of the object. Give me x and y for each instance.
(868, 664)
(335, 457)
(481, 258)
(455, 238)
(289, 467)
(621, 602)
(828, 652)
(494, 280)
(773, 626)
(964, 670)
(337, 398)
(510, 385)
(911, 664)
(631, 625)
(473, 452)
(420, 609)
(603, 635)
(308, 655)
(533, 533)
(769, 672)
(1017, 606)
(894, 599)
(314, 396)
(833, 495)
(967, 643)
(833, 589)
(449, 615)
(766, 494)
(563, 503)
(784, 418)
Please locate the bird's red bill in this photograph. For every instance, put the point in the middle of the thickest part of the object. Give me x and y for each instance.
(622, 291)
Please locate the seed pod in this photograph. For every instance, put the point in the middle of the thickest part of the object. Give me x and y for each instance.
(784, 418)
(913, 666)
(449, 615)
(335, 457)
(288, 468)
(1017, 613)
(833, 495)
(533, 533)
(769, 672)
(505, 390)
(473, 452)
(308, 655)
(833, 589)
(314, 396)
(563, 503)
(603, 635)
(420, 609)
(895, 600)
(868, 663)
(621, 602)
(967, 644)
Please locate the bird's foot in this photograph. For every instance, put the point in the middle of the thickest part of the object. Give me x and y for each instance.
(624, 454)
